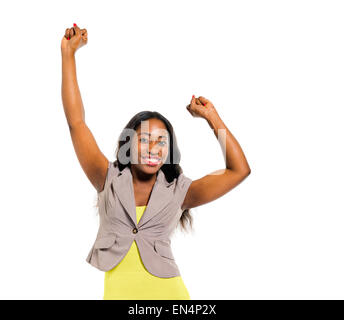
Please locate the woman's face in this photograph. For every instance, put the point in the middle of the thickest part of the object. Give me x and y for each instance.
(150, 146)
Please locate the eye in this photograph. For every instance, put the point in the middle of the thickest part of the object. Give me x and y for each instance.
(164, 143)
(142, 139)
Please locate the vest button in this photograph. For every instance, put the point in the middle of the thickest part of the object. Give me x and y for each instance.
(134, 230)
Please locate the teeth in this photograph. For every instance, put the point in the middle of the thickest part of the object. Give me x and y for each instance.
(155, 160)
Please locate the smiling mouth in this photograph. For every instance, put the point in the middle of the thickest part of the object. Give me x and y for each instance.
(153, 161)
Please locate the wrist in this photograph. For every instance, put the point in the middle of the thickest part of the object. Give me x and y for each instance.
(212, 116)
(67, 53)
(214, 120)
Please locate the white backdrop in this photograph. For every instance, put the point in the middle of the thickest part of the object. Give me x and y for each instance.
(274, 71)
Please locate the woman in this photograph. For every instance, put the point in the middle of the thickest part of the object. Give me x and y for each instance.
(150, 162)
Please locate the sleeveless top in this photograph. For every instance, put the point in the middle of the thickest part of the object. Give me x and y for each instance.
(118, 226)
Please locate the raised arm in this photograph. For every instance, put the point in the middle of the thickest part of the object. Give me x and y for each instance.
(91, 159)
(217, 183)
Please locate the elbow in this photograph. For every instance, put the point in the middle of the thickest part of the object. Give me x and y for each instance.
(245, 173)
(242, 173)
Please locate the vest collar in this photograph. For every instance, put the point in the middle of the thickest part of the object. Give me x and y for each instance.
(160, 196)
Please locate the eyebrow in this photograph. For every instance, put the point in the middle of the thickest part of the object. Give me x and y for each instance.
(150, 134)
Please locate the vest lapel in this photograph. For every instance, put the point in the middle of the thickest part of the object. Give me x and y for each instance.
(160, 196)
(124, 189)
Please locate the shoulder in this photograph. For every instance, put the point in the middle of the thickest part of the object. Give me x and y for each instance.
(112, 172)
(182, 186)
(183, 182)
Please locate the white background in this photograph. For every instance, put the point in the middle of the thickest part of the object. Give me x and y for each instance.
(274, 71)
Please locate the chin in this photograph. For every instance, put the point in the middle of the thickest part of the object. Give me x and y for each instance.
(149, 169)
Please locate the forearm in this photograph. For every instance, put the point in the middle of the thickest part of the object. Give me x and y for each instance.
(71, 98)
(235, 157)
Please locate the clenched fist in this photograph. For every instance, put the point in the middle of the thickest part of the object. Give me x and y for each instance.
(200, 107)
(73, 39)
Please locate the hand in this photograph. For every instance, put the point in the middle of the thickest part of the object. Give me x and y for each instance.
(77, 38)
(200, 107)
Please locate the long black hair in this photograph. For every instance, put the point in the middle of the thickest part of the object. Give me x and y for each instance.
(172, 169)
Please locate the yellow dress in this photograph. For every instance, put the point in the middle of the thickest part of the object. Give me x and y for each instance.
(130, 280)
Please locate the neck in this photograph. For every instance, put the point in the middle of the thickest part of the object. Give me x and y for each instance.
(142, 177)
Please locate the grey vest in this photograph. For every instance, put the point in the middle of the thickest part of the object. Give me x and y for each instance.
(118, 226)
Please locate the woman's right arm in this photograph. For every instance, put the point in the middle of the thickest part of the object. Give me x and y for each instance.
(91, 159)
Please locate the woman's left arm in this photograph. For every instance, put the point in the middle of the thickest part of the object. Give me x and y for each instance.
(217, 183)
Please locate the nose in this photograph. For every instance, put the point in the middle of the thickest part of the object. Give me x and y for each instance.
(152, 150)
(153, 154)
